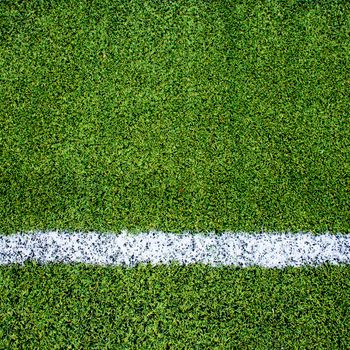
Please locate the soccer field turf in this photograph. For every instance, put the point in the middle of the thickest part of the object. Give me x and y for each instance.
(175, 116)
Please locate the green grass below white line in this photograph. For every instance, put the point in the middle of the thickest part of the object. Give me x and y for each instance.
(168, 307)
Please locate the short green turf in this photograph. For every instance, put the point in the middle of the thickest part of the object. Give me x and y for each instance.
(192, 307)
(174, 115)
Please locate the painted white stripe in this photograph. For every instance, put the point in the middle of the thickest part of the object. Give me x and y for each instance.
(270, 250)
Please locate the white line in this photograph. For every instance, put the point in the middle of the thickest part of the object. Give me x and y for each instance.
(270, 250)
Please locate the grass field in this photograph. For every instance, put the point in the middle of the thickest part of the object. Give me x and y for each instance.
(221, 115)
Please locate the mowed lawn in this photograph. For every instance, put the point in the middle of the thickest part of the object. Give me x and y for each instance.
(193, 115)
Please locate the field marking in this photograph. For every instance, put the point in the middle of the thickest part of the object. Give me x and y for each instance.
(270, 250)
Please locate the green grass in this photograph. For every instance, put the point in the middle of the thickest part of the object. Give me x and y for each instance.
(191, 115)
(174, 115)
(193, 307)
